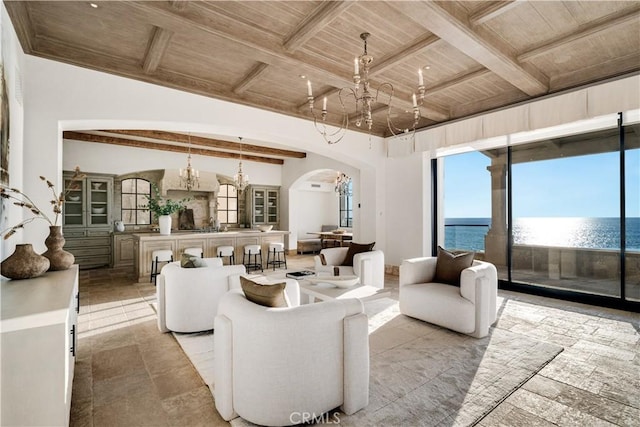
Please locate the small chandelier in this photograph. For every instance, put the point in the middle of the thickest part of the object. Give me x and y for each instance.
(342, 184)
(189, 177)
(240, 179)
(364, 100)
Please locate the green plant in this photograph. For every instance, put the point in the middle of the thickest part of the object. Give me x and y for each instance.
(161, 206)
(22, 200)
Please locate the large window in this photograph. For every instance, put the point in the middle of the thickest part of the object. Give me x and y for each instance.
(134, 195)
(560, 214)
(346, 206)
(228, 204)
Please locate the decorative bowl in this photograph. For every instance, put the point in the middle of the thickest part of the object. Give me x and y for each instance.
(96, 185)
(339, 231)
(73, 198)
(265, 228)
(98, 210)
(337, 281)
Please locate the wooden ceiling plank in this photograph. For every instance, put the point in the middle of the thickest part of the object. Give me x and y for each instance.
(406, 52)
(20, 18)
(606, 23)
(207, 142)
(102, 139)
(179, 4)
(492, 11)
(250, 78)
(457, 80)
(157, 47)
(314, 23)
(493, 54)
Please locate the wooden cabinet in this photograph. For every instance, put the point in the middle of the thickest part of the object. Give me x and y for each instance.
(122, 250)
(39, 341)
(263, 205)
(87, 219)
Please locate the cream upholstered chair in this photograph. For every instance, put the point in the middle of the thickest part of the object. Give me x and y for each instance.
(273, 363)
(469, 308)
(369, 266)
(188, 297)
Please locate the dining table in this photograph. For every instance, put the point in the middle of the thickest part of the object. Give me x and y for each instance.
(330, 235)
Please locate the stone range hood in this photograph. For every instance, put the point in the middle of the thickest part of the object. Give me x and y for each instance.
(171, 182)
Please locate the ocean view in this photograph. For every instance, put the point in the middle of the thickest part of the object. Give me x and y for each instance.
(595, 233)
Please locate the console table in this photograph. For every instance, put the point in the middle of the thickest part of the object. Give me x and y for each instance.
(38, 325)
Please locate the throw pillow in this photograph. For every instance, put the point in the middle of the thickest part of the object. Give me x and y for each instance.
(271, 295)
(191, 261)
(449, 266)
(356, 248)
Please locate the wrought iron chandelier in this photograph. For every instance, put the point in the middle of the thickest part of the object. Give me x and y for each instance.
(342, 183)
(189, 177)
(240, 179)
(364, 98)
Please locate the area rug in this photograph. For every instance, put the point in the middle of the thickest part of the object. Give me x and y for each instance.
(422, 374)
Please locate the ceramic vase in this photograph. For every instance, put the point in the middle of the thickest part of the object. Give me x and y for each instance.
(24, 263)
(165, 224)
(59, 259)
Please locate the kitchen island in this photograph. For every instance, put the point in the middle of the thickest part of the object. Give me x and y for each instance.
(145, 243)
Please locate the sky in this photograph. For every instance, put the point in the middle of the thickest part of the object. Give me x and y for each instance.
(583, 186)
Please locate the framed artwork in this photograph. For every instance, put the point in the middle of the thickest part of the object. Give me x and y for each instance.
(4, 131)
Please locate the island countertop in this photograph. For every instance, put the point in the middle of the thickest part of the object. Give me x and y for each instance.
(145, 243)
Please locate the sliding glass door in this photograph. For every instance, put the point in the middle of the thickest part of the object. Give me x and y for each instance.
(632, 208)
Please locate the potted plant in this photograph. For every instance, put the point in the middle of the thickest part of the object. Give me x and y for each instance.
(162, 208)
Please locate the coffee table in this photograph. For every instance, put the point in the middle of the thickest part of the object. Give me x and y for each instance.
(326, 292)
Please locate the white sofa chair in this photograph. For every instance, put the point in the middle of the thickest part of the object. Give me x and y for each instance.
(469, 309)
(188, 297)
(274, 365)
(368, 266)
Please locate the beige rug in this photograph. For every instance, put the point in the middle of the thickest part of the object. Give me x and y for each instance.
(422, 374)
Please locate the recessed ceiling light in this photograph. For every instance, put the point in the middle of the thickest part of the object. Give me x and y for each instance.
(302, 76)
(93, 5)
(427, 67)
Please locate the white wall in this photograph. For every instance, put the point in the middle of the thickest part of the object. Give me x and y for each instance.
(61, 97)
(315, 208)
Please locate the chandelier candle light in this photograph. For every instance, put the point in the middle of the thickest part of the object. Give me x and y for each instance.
(241, 180)
(190, 177)
(364, 100)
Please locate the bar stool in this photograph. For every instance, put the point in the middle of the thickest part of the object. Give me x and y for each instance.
(255, 251)
(276, 249)
(226, 251)
(162, 255)
(194, 251)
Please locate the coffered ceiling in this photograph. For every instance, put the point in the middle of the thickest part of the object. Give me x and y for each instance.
(475, 55)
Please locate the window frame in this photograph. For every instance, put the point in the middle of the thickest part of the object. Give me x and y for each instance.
(345, 208)
(227, 197)
(137, 207)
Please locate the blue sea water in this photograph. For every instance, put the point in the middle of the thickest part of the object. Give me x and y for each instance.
(595, 233)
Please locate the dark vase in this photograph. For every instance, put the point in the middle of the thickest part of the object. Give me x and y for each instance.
(24, 263)
(59, 258)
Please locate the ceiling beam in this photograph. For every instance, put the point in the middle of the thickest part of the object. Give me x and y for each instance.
(103, 139)
(314, 23)
(207, 142)
(20, 18)
(404, 53)
(179, 4)
(607, 23)
(492, 11)
(250, 78)
(157, 47)
(453, 28)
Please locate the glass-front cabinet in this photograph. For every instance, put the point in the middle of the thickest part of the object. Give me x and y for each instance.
(88, 202)
(263, 204)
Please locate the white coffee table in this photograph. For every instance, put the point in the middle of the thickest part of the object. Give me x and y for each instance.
(325, 291)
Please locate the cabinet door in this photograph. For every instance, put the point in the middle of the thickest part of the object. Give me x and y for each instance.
(272, 206)
(73, 206)
(99, 202)
(259, 202)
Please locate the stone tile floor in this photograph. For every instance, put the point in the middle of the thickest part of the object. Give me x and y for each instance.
(127, 373)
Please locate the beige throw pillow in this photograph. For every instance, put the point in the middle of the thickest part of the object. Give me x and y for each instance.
(191, 261)
(449, 266)
(271, 295)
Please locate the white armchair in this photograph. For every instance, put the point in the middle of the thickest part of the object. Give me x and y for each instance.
(188, 297)
(273, 365)
(469, 309)
(368, 266)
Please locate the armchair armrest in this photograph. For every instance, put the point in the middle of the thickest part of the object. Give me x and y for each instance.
(417, 270)
(479, 284)
(369, 266)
